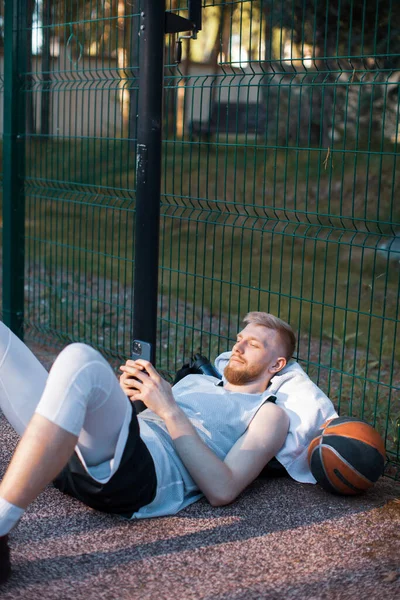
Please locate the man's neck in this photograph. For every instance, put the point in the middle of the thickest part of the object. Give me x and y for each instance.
(254, 387)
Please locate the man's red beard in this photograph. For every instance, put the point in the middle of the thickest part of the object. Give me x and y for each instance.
(240, 374)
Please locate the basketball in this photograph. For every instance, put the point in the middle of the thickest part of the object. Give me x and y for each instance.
(347, 456)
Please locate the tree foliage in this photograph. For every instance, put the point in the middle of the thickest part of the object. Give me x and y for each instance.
(338, 50)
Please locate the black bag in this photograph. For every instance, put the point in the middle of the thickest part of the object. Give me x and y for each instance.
(198, 365)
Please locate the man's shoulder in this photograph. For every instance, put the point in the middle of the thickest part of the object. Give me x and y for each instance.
(267, 409)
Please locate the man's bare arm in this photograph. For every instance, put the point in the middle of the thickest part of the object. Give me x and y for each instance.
(220, 481)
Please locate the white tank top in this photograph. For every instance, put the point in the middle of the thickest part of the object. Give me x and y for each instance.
(220, 417)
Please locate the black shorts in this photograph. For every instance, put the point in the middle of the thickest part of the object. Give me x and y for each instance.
(133, 485)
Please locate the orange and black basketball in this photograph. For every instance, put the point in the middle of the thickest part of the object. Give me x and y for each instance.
(347, 456)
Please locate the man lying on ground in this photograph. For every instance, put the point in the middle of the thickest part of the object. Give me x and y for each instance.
(199, 437)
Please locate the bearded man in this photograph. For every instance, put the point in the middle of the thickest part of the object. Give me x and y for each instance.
(201, 437)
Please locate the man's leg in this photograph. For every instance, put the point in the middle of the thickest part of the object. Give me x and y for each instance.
(32, 467)
(41, 454)
(83, 402)
(22, 380)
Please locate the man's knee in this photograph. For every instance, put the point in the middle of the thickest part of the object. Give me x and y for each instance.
(79, 354)
(77, 382)
(78, 364)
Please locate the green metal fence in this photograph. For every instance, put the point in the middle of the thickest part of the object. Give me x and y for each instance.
(280, 174)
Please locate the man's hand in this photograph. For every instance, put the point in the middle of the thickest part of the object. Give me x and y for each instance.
(140, 381)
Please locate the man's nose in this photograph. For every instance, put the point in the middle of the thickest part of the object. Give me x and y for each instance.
(238, 347)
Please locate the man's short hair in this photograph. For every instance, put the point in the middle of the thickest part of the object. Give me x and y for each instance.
(271, 322)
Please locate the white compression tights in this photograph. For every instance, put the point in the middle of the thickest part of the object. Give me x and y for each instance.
(81, 394)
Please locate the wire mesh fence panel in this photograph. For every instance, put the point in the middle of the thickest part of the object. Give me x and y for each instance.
(80, 88)
(279, 179)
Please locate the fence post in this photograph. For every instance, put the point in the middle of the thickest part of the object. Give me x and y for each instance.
(14, 165)
(148, 171)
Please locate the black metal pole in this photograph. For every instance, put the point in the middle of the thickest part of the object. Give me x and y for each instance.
(45, 95)
(15, 51)
(148, 171)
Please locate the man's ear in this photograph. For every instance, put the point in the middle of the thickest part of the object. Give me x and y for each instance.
(280, 363)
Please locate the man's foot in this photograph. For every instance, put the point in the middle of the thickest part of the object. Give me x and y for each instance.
(5, 563)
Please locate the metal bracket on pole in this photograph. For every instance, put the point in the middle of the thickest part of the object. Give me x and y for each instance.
(175, 24)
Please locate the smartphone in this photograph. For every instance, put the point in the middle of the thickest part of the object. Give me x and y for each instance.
(141, 349)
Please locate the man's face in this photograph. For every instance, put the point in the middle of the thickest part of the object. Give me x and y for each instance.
(254, 355)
